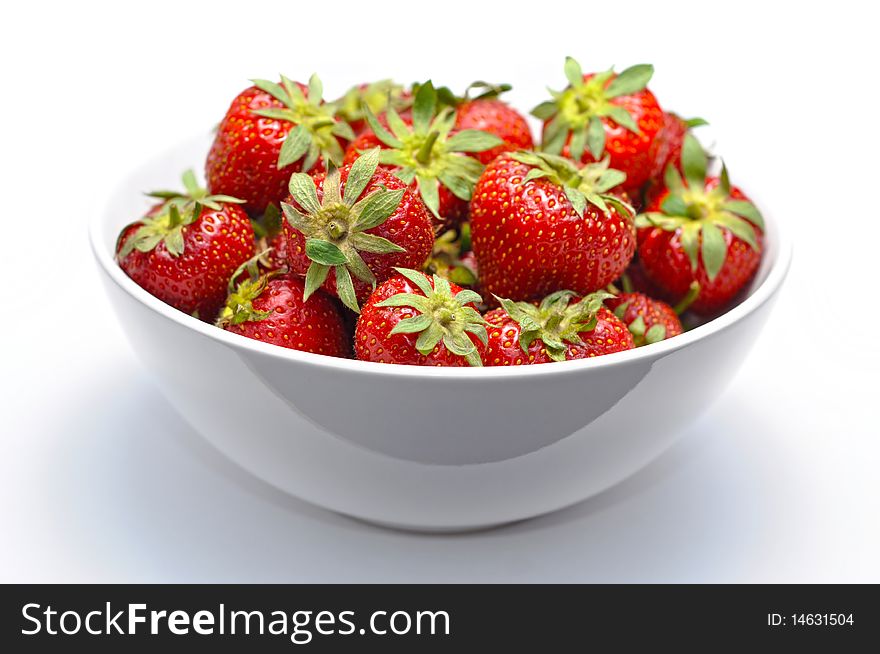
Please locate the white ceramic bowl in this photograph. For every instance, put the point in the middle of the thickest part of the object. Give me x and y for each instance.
(464, 448)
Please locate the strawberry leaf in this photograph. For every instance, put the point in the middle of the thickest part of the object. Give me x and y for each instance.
(372, 243)
(713, 250)
(295, 145)
(424, 106)
(633, 79)
(345, 288)
(375, 209)
(573, 72)
(745, 209)
(430, 192)
(472, 140)
(418, 279)
(273, 89)
(578, 143)
(622, 117)
(690, 242)
(379, 130)
(316, 90)
(324, 252)
(412, 325)
(302, 188)
(693, 162)
(655, 334)
(359, 175)
(460, 186)
(596, 137)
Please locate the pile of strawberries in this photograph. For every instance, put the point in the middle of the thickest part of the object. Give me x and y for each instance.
(414, 226)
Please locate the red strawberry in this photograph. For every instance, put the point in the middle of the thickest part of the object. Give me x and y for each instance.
(185, 250)
(539, 223)
(488, 113)
(498, 118)
(271, 309)
(648, 320)
(700, 229)
(376, 96)
(605, 112)
(428, 154)
(422, 321)
(359, 220)
(269, 132)
(556, 330)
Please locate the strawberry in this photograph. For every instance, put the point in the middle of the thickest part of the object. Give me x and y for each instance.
(376, 96)
(422, 321)
(270, 308)
(605, 112)
(648, 320)
(488, 113)
(555, 330)
(700, 229)
(359, 220)
(270, 131)
(539, 224)
(429, 154)
(185, 249)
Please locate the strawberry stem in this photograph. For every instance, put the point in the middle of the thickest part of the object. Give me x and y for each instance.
(685, 303)
(423, 156)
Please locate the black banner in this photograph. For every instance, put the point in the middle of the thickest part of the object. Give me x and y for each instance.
(107, 618)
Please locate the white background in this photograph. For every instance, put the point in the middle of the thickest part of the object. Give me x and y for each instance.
(101, 481)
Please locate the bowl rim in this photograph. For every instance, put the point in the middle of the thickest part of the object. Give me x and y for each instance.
(776, 273)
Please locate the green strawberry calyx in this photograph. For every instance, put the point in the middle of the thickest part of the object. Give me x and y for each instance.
(317, 129)
(691, 123)
(641, 333)
(427, 153)
(555, 321)
(335, 228)
(442, 316)
(579, 110)
(590, 183)
(239, 306)
(477, 90)
(377, 96)
(702, 214)
(484, 91)
(178, 211)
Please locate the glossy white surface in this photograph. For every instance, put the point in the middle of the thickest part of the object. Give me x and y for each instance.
(102, 480)
(462, 448)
